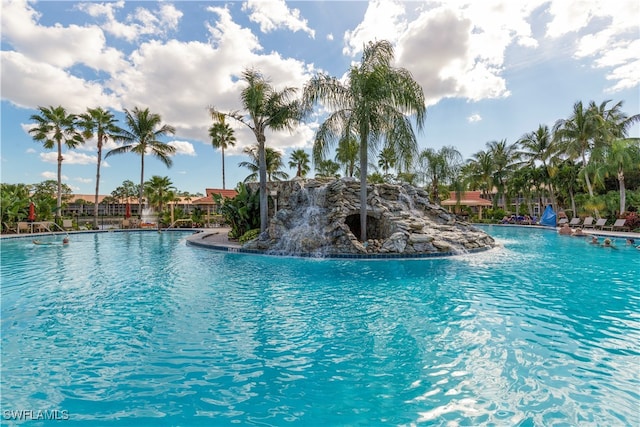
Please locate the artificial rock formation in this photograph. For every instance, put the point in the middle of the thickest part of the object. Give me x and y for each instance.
(322, 218)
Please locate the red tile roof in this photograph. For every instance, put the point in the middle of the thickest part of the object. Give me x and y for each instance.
(467, 198)
(208, 199)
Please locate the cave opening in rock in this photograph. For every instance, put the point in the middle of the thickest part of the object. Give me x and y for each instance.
(376, 229)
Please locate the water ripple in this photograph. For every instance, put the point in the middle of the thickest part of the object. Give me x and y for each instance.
(137, 328)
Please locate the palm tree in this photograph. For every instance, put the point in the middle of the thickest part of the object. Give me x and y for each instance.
(504, 157)
(567, 179)
(265, 108)
(145, 129)
(539, 146)
(577, 135)
(159, 190)
(222, 137)
(327, 168)
(346, 154)
(387, 159)
(55, 127)
(101, 124)
(300, 161)
(374, 104)
(621, 155)
(273, 159)
(440, 167)
(478, 172)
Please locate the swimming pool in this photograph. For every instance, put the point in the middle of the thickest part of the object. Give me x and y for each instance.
(140, 329)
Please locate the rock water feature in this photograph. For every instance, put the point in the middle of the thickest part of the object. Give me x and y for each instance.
(321, 217)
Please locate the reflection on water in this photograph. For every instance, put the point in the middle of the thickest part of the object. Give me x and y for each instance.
(138, 328)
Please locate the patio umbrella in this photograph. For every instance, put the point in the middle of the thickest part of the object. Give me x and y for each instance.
(127, 211)
(32, 212)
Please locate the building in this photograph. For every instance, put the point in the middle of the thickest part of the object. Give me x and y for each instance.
(82, 205)
(470, 199)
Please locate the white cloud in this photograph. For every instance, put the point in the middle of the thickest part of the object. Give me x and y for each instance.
(57, 46)
(274, 14)
(383, 20)
(69, 158)
(607, 34)
(38, 83)
(183, 147)
(52, 175)
(474, 118)
(141, 22)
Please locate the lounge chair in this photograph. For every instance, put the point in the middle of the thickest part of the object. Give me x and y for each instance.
(23, 227)
(563, 221)
(600, 223)
(67, 224)
(575, 222)
(588, 222)
(6, 228)
(125, 223)
(618, 225)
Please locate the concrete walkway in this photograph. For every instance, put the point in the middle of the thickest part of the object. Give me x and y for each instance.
(215, 237)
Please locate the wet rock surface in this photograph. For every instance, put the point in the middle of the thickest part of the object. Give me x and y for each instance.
(322, 217)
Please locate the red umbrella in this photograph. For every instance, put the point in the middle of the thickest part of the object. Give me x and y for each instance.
(32, 212)
(127, 211)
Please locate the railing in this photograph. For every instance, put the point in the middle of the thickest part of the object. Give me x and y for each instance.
(180, 221)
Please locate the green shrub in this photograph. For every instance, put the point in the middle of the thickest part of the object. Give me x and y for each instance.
(494, 214)
(242, 212)
(249, 235)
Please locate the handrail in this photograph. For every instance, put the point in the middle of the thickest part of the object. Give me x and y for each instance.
(57, 225)
(180, 220)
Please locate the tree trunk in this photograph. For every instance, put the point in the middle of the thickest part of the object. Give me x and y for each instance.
(95, 202)
(623, 192)
(588, 182)
(223, 185)
(573, 202)
(59, 198)
(262, 160)
(363, 189)
(141, 192)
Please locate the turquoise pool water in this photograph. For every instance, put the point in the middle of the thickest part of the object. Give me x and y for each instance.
(140, 329)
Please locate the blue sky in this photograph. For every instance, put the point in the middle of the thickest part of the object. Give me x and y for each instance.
(490, 70)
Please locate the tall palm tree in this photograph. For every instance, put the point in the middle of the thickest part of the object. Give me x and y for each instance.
(222, 137)
(440, 167)
(577, 134)
(142, 137)
(265, 108)
(540, 146)
(622, 155)
(53, 128)
(479, 171)
(273, 159)
(374, 104)
(504, 158)
(300, 161)
(101, 124)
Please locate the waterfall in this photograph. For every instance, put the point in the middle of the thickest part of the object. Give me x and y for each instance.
(304, 230)
(148, 216)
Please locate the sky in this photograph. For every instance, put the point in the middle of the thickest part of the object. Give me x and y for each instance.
(490, 70)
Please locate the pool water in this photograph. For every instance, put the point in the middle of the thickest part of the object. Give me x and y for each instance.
(140, 329)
